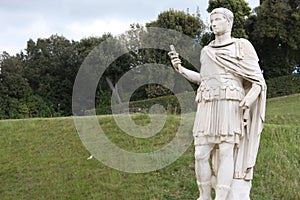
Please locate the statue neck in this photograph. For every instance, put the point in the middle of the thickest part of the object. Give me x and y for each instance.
(223, 39)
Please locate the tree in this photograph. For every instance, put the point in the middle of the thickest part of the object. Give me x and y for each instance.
(274, 31)
(13, 87)
(51, 65)
(105, 63)
(118, 67)
(189, 26)
(133, 42)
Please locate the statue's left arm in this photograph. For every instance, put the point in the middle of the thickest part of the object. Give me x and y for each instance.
(251, 96)
(254, 101)
(251, 72)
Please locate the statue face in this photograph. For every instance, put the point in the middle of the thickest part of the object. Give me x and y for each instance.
(219, 24)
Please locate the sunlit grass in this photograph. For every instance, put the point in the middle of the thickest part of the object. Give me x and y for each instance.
(45, 159)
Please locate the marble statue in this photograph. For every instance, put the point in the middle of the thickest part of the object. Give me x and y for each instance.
(231, 109)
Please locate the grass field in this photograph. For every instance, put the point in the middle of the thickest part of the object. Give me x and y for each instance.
(45, 159)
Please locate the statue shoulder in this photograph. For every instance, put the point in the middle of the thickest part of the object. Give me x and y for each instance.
(205, 49)
(211, 43)
(245, 42)
(246, 48)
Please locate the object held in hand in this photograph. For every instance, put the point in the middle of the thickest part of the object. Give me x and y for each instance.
(176, 62)
(172, 48)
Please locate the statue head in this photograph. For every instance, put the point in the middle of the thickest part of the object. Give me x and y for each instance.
(227, 14)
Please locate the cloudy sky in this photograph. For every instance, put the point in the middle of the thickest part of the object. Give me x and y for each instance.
(77, 19)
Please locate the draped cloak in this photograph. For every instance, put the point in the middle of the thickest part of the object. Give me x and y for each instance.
(243, 63)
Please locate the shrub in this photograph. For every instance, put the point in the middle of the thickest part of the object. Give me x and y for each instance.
(170, 103)
(284, 85)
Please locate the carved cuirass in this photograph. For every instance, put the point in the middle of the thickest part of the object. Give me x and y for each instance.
(217, 83)
(220, 87)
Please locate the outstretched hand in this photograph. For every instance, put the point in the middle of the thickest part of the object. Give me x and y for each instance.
(176, 62)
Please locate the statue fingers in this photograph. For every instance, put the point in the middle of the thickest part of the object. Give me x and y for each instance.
(176, 60)
(173, 54)
(244, 105)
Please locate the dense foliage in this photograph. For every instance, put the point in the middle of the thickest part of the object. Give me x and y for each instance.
(38, 82)
(274, 31)
(283, 85)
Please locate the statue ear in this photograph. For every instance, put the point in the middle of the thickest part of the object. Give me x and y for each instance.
(210, 28)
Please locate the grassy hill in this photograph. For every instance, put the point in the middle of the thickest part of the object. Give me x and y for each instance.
(45, 159)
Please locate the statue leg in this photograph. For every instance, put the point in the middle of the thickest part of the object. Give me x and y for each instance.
(203, 171)
(225, 170)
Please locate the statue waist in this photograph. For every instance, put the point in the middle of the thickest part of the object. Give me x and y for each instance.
(220, 87)
(222, 78)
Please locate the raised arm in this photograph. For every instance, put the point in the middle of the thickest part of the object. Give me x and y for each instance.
(188, 74)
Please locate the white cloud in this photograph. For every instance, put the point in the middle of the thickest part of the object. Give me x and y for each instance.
(96, 28)
(38, 28)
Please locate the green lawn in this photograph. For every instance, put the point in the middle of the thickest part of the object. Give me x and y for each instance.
(45, 159)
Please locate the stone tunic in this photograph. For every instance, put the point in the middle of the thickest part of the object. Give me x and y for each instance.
(218, 117)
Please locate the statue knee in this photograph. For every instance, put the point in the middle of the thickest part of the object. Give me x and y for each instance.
(226, 150)
(202, 153)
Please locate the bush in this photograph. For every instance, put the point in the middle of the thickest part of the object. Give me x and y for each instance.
(170, 103)
(284, 85)
(279, 86)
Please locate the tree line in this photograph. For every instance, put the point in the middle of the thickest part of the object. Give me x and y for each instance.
(38, 81)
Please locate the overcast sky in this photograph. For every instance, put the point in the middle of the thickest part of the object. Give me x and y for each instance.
(77, 19)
